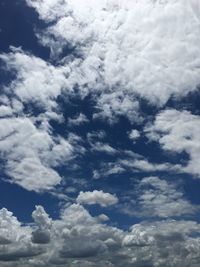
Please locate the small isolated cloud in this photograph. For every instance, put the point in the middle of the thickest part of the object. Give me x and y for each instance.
(108, 170)
(103, 148)
(136, 164)
(97, 197)
(134, 135)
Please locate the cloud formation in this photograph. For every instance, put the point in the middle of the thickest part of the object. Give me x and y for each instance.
(178, 131)
(78, 238)
(127, 49)
(97, 197)
(155, 197)
(134, 135)
(30, 152)
(36, 82)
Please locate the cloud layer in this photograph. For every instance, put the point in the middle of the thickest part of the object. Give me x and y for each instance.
(78, 238)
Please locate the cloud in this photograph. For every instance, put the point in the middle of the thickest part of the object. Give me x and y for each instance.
(178, 131)
(5, 111)
(15, 239)
(158, 197)
(36, 81)
(31, 151)
(134, 135)
(10, 228)
(103, 148)
(146, 166)
(129, 161)
(42, 234)
(163, 243)
(80, 119)
(117, 53)
(97, 197)
(126, 50)
(108, 170)
(77, 238)
(95, 140)
(76, 235)
(145, 64)
(41, 218)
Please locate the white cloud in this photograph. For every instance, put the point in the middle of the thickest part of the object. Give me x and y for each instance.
(134, 135)
(178, 131)
(165, 243)
(5, 111)
(156, 197)
(103, 218)
(42, 234)
(15, 239)
(10, 228)
(107, 170)
(128, 49)
(125, 50)
(36, 81)
(142, 164)
(80, 119)
(103, 148)
(128, 161)
(77, 238)
(97, 197)
(41, 218)
(31, 152)
(95, 140)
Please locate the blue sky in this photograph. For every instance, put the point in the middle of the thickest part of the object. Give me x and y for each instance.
(99, 133)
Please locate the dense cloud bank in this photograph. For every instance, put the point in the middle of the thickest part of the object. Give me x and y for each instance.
(78, 238)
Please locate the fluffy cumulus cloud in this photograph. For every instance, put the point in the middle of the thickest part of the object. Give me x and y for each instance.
(178, 131)
(167, 243)
(134, 135)
(31, 152)
(77, 238)
(127, 49)
(36, 81)
(97, 197)
(28, 145)
(15, 240)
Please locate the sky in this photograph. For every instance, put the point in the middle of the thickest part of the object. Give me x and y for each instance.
(99, 133)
